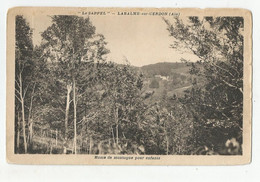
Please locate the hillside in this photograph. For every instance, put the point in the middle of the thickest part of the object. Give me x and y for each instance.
(165, 69)
(166, 79)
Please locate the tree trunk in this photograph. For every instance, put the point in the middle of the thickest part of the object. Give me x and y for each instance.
(113, 135)
(75, 116)
(56, 137)
(24, 126)
(116, 120)
(81, 141)
(90, 145)
(166, 138)
(30, 131)
(30, 120)
(23, 114)
(167, 145)
(18, 133)
(67, 111)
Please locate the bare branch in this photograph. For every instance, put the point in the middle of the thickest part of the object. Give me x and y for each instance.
(222, 69)
(18, 92)
(18, 98)
(25, 90)
(17, 83)
(233, 86)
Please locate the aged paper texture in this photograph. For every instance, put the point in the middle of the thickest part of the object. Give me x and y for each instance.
(129, 86)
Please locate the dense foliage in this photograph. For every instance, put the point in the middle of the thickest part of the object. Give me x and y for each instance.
(70, 99)
(217, 104)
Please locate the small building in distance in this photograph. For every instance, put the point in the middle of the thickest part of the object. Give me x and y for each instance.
(166, 78)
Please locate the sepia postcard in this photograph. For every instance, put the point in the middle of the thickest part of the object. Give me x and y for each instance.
(129, 86)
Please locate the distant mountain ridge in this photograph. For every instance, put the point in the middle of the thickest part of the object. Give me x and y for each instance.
(165, 68)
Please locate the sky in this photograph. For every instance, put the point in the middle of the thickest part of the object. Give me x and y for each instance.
(142, 40)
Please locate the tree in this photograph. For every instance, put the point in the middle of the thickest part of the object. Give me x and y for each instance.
(23, 75)
(217, 104)
(122, 86)
(74, 49)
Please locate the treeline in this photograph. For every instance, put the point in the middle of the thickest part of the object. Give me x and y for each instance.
(164, 68)
(70, 99)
